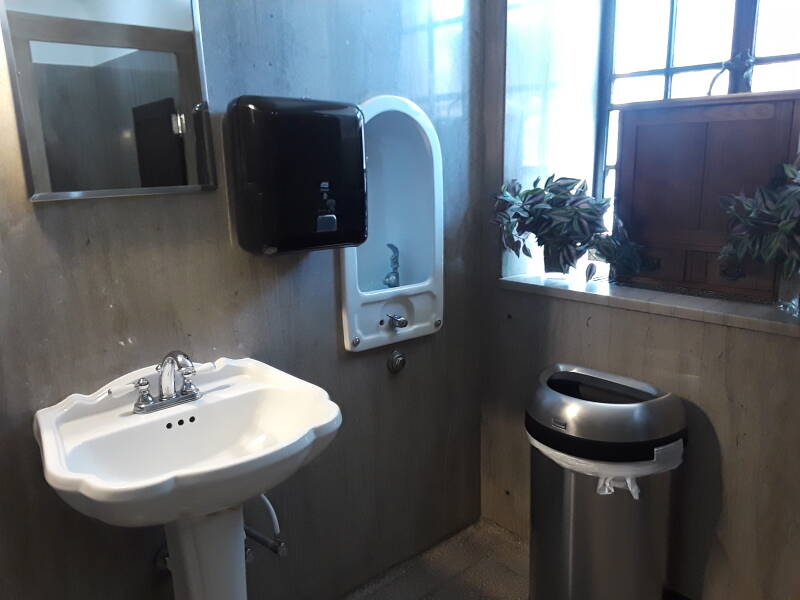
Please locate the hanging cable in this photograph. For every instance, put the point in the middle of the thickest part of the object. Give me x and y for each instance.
(274, 543)
(743, 61)
(276, 527)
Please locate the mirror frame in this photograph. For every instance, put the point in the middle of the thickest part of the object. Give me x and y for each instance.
(200, 116)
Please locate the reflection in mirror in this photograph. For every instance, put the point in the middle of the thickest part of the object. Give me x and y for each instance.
(110, 97)
(107, 121)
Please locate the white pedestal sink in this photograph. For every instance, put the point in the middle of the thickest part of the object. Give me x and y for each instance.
(190, 466)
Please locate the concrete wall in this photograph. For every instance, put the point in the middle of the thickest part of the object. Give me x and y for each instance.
(737, 535)
(93, 289)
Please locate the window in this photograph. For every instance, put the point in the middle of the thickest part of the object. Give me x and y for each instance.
(659, 49)
(551, 94)
(550, 88)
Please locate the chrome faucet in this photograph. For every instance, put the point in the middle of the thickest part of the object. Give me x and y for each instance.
(173, 364)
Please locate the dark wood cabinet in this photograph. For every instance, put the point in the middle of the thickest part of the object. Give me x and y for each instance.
(677, 158)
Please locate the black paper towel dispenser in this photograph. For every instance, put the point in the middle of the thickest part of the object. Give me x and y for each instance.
(298, 174)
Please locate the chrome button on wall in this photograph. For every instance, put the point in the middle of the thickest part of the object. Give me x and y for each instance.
(396, 361)
(397, 321)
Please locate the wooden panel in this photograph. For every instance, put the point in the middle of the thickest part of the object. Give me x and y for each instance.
(758, 276)
(712, 101)
(696, 267)
(746, 153)
(669, 176)
(674, 111)
(672, 261)
(695, 239)
(677, 159)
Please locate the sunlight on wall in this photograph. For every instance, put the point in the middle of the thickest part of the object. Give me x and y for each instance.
(434, 37)
(551, 95)
(447, 9)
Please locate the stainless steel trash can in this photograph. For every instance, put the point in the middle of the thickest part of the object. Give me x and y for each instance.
(603, 452)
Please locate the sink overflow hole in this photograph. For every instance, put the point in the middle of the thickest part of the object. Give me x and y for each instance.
(181, 422)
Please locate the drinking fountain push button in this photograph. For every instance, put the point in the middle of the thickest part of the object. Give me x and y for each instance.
(398, 321)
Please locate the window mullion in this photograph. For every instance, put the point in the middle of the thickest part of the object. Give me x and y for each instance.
(604, 83)
(744, 36)
(767, 60)
(673, 14)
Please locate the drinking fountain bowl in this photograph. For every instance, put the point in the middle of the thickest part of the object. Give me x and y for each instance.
(189, 466)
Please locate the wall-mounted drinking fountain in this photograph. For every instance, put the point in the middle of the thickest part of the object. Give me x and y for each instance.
(392, 296)
(243, 429)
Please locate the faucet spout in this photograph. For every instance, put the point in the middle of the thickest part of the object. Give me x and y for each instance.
(174, 363)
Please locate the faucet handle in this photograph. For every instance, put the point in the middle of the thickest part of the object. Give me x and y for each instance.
(187, 373)
(144, 400)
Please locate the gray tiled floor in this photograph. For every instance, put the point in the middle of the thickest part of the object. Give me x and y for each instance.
(482, 562)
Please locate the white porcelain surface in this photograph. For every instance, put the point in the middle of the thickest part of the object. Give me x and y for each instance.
(253, 427)
(405, 193)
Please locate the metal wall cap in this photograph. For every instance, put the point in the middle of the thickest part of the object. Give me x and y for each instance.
(629, 410)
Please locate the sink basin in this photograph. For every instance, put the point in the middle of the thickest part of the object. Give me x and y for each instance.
(253, 427)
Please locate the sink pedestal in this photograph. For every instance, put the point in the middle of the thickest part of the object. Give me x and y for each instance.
(206, 556)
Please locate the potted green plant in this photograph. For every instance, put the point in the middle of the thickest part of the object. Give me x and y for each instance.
(560, 214)
(766, 228)
(626, 257)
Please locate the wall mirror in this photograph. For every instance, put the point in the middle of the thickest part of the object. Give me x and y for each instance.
(109, 97)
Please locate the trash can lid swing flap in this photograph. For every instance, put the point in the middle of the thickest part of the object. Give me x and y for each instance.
(599, 416)
(606, 426)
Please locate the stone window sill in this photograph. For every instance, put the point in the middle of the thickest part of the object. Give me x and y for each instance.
(730, 313)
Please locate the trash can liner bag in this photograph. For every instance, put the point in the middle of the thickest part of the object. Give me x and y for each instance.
(613, 475)
(606, 485)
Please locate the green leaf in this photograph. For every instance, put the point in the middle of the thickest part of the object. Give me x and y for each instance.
(591, 269)
(567, 182)
(561, 216)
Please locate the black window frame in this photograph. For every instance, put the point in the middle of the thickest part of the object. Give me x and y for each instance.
(742, 45)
